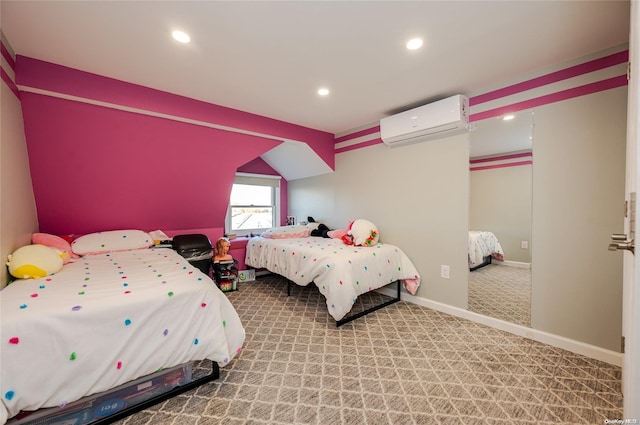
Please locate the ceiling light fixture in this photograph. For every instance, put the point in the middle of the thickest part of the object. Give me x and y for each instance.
(508, 117)
(180, 36)
(323, 91)
(414, 43)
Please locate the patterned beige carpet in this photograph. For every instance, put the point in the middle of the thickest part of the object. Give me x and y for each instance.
(404, 364)
(502, 292)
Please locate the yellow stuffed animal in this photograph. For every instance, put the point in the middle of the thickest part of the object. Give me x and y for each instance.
(34, 261)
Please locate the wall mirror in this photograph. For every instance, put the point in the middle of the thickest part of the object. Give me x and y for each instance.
(501, 161)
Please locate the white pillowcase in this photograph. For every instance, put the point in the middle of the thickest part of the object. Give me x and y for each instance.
(285, 232)
(312, 226)
(111, 241)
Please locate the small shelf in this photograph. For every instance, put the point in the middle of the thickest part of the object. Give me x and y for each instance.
(225, 274)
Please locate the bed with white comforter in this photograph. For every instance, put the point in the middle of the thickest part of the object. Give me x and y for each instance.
(341, 272)
(105, 320)
(481, 245)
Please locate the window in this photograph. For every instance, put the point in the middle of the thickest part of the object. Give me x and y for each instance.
(254, 204)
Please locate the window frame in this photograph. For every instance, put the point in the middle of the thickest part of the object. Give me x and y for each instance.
(255, 180)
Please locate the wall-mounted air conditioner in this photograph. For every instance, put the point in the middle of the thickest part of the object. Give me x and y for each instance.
(432, 121)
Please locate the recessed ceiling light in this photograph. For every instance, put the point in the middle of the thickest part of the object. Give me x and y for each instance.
(323, 91)
(508, 117)
(180, 36)
(414, 43)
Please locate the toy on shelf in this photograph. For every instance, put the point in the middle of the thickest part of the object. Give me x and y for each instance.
(225, 271)
(225, 274)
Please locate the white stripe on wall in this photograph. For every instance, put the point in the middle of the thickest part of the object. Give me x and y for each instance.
(588, 76)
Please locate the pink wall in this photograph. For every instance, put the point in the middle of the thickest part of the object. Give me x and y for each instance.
(99, 168)
(60, 79)
(96, 168)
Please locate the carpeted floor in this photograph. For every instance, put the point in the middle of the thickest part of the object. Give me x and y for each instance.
(404, 364)
(502, 292)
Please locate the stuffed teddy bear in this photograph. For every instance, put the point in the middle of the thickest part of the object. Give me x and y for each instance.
(34, 261)
(361, 233)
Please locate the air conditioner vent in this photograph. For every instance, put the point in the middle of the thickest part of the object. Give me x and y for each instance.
(435, 120)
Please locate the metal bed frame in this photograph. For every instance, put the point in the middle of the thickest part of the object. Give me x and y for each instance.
(360, 313)
(215, 374)
(486, 262)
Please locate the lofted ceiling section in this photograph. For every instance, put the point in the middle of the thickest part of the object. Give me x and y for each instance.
(270, 57)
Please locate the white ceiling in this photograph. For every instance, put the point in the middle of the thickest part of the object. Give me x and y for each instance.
(269, 57)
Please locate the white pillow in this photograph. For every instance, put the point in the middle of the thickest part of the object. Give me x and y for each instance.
(285, 232)
(111, 241)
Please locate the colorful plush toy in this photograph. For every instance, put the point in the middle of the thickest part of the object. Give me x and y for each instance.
(34, 261)
(361, 233)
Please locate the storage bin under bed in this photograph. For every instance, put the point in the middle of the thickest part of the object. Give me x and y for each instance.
(99, 406)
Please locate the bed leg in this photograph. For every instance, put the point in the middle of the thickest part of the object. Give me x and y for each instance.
(486, 262)
(370, 310)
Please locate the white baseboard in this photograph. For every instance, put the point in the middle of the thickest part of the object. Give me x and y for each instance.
(571, 345)
(516, 264)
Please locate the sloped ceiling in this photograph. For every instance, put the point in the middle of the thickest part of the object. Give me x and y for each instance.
(270, 57)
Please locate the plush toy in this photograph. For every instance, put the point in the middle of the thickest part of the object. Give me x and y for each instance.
(34, 261)
(361, 233)
(337, 234)
(58, 243)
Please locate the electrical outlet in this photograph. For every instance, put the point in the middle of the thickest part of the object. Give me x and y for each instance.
(444, 271)
(524, 244)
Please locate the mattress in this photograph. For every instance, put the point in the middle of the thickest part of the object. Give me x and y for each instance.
(105, 320)
(483, 244)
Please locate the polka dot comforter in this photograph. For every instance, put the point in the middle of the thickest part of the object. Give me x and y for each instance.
(105, 320)
(341, 272)
(482, 244)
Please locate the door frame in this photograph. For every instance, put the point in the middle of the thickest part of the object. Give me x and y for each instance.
(631, 278)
